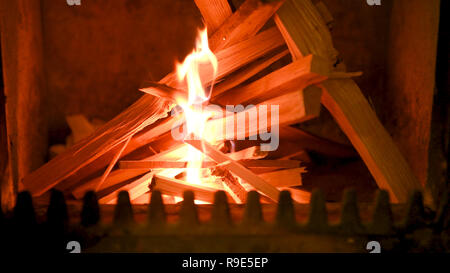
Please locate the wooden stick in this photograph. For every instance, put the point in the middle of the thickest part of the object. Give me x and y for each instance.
(132, 188)
(356, 118)
(176, 187)
(115, 177)
(296, 75)
(245, 74)
(249, 163)
(270, 163)
(304, 30)
(244, 23)
(306, 33)
(344, 75)
(146, 164)
(164, 91)
(214, 12)
(236, 168)
(253, 152)
(231, 184)
(111, 165)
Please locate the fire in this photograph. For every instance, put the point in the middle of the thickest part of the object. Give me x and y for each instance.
(195, 115)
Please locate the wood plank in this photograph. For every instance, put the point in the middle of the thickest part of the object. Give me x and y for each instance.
(248, 72)
(112, 164)
(236, 168)
(176, 187)
(231, 184)
(249, 163)
(115, 177)
(214, 12)
(356, 118)
(253, 152)
(296, 75)
(304, 30)
(136, 186)
(306, 33)
(244, 23)
(148, 164)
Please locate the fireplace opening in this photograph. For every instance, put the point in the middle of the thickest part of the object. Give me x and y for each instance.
(232, 119)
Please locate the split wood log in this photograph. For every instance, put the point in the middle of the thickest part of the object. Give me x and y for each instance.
(231, 184)
(248, 163)
(147, 164)
(296, 75)
(325, 13)
(244, 23)
(236, 168)
(253, 152)
(214, 13)
(242, 75)
(122, 175)
(264, 163)
(304, 30)
(176, 187)
(115, 177)
(306, 33)
(164, 91)
(359, 122)
(112, 163)
(135, 187)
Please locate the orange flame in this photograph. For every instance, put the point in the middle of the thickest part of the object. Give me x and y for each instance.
(195, 116)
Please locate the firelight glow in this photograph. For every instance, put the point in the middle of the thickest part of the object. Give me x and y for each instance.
(195, 115)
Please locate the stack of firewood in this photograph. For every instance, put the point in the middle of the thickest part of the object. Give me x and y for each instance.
(136, 152)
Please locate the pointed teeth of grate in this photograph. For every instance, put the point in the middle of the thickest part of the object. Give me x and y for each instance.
(415, 215)
(443, 214)
(57, 209)
(253, 211)
(123, 212)
(285, 211)
(156, 209)
(188, 212)
(350, 220)
(318, 218)
(382, 221)
(90, 213)
(24, 214)
(221, 211)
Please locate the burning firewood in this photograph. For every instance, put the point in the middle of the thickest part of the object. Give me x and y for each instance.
(253, 152)
(176, 187)
(236, 168)
(231, 184)
(241, 53)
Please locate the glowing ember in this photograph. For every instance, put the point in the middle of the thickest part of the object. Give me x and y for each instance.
(195, 115)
